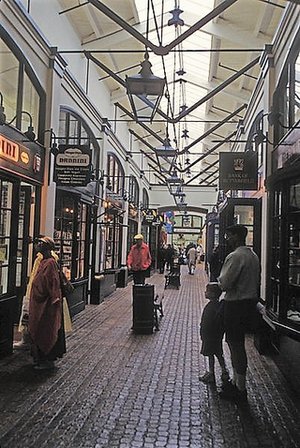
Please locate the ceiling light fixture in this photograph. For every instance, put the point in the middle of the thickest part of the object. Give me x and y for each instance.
(143, 88)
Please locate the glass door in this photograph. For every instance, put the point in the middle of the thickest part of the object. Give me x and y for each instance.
(7, 192)
(276, 271)
(292, 306)
(26, 224)
(245, 211)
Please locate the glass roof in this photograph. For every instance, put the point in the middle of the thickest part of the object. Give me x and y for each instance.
(186, 68)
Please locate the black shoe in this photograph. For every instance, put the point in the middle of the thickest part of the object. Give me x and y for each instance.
(232, 393)
(45, 365)
(227, 386)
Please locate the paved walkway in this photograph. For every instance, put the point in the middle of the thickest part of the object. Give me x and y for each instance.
(117, 389)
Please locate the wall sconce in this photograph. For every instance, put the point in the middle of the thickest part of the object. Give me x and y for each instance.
(259, 137)
(105, 126)
(53, 145)
(30, 131)
(145, 88)
(106, 204)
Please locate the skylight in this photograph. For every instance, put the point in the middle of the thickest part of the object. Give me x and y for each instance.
(185, 67)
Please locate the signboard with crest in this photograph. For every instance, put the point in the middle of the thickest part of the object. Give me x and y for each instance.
(238, 170)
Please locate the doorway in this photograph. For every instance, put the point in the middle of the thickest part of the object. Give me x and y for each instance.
(25, 233)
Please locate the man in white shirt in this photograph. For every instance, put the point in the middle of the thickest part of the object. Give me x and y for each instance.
(240, 279)
(191, 256)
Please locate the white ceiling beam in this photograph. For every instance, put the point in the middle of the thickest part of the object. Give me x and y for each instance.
(222, 30)
(232, 33)
(116, 38)
(97, 29)
(262, 25)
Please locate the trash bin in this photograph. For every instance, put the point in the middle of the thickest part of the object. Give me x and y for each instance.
(143, 309)
(122, 279)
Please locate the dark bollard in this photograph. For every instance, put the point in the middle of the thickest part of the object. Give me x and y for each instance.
(143, 309)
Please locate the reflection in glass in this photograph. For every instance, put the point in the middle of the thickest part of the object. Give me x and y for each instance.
(31, 104)
(244, 214)
(9, 80)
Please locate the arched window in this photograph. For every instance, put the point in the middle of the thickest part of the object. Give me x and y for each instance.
(23, 96)
(134, 191)
(252, 145)
(286, 99)
(115, 174)
(72, 129)
(145, 199)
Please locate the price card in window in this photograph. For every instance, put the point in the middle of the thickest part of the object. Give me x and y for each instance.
(3, 253)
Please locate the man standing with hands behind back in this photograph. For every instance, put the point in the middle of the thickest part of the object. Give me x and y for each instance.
(139, 260)
(240, 279)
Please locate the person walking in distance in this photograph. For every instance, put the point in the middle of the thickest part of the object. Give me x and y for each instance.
(161, 259)
(192, 256)
(139, 260)
(240, 279)
(169, 257)
(212, 332)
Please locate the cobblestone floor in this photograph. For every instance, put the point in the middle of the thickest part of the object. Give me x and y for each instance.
(117, 389)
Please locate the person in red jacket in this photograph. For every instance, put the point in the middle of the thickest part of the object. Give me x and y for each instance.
(139, 260)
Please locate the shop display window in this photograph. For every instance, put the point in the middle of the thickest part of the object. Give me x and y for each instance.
(244, 214)
(70, 236)
(244, 211)
(293, 304)
(275, 252)
(112, 243)
(6, 194)
(285, 253)
(26, 229)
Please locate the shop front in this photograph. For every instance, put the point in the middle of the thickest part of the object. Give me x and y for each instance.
(71, 236)
(75, 202)
(21, 178)
(283, 276)
(151, 227)
(111, 228)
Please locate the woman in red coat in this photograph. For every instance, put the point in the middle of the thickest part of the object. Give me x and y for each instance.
(45, 310)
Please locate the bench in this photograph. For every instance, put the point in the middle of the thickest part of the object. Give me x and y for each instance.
(158, 308)
(172, 279)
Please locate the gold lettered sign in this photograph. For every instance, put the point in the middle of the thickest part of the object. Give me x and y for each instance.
(238, 171)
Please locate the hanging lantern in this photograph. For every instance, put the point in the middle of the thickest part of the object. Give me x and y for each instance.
(165, 155)
(145, 91)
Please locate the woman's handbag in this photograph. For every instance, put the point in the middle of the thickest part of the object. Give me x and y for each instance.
(66, 286)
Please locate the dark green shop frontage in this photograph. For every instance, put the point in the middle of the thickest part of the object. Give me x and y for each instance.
(21, 178)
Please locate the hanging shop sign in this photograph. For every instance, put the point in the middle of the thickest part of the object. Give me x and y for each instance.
(72, 166)
(24, 161)
(238, 170)
(150, 217)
